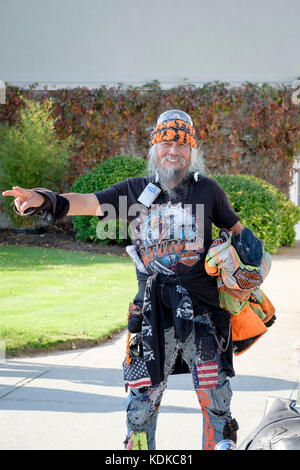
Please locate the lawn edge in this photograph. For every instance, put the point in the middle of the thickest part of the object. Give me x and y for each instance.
(68, 345)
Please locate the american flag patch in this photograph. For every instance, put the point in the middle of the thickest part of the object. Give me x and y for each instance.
(136, 373)
(205, 375)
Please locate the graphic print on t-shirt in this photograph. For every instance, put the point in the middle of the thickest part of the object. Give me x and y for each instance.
(168, 234)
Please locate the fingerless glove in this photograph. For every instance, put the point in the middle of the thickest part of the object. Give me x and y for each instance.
(54, 207)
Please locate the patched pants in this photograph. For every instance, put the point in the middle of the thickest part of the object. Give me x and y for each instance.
(201, 353)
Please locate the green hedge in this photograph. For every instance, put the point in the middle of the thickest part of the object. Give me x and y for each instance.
(101, 177)
(31, 155)
(263, 208)
(289, 213)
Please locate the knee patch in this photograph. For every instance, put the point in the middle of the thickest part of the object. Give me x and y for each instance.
(137, 441)
(138, 408)
(142, 404)
(221, 399)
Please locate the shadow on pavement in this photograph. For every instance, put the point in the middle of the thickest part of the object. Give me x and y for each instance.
(64, 392)
(114, 377)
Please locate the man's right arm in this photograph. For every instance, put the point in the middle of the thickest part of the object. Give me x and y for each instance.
(79, 204)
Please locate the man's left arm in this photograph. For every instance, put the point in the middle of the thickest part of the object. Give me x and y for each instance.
(237, 228)
(223, 214)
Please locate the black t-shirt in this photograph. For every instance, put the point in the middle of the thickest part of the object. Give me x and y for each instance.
(173, 236)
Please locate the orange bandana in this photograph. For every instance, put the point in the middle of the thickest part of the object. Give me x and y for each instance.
(177, 130)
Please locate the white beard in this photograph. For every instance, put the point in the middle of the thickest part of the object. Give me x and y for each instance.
(172, 176)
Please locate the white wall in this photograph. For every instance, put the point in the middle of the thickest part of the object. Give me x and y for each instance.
(91, 42)
(294, 192)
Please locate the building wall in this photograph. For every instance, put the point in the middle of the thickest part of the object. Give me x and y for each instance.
(91, 42)
(295, 192)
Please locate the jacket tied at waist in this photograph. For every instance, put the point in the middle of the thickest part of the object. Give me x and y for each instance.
(166, 303)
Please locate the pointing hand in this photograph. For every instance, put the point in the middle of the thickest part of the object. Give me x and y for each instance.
(24, 198)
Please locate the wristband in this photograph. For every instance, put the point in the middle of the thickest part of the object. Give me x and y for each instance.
(54, 207)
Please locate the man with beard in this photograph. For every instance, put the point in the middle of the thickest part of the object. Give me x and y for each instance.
(176, 316)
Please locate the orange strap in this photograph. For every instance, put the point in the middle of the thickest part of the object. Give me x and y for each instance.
(128, 358)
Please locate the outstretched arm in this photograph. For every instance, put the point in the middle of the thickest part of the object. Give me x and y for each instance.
(80, 204)
(83, 204)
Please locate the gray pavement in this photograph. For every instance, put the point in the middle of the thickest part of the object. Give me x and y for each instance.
(75, 399)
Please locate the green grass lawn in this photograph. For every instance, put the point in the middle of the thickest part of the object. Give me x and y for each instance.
(51, 296)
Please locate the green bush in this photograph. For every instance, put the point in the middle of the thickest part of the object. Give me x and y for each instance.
(31, 155)
(101, 177)
(289, 213)
(256, 205)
